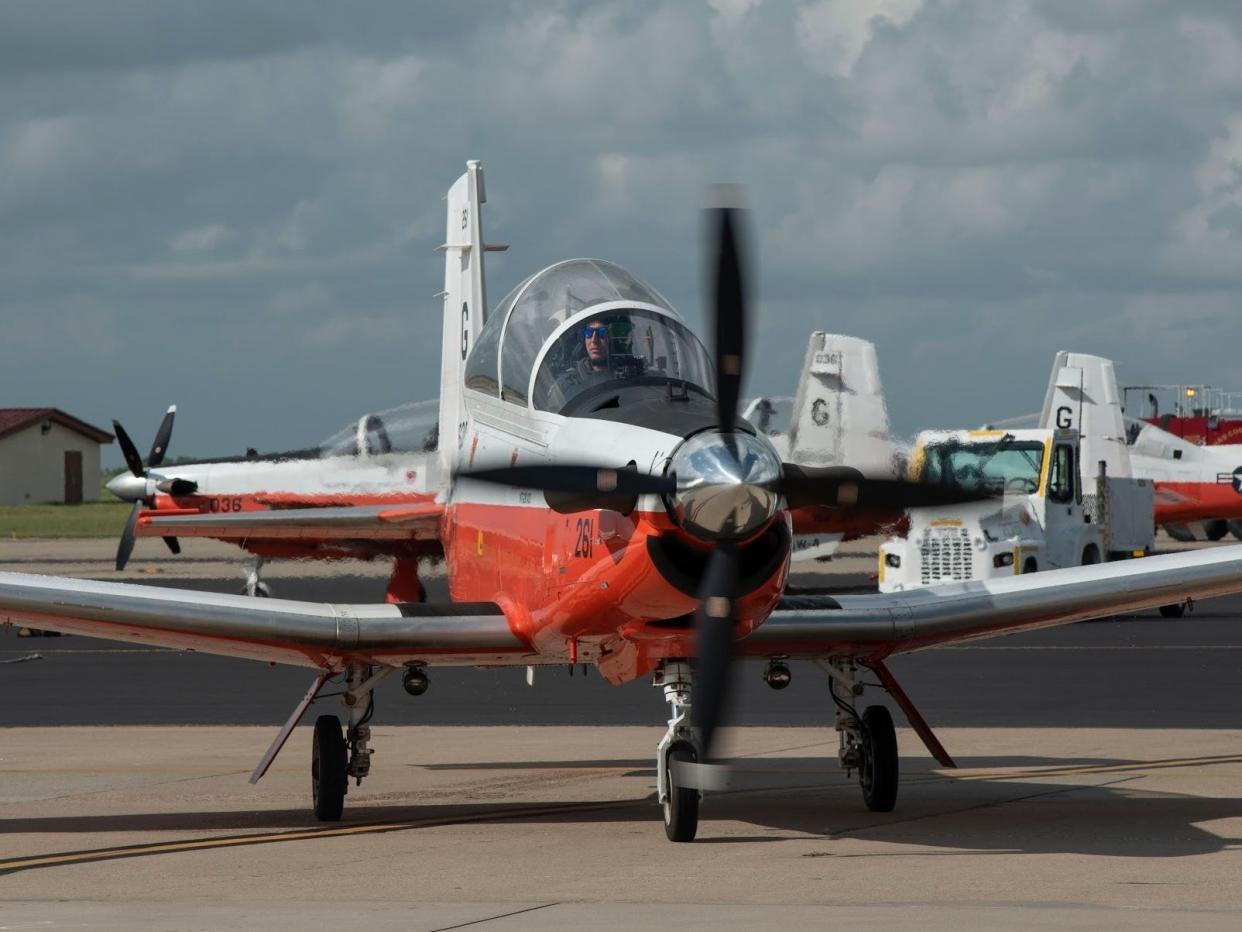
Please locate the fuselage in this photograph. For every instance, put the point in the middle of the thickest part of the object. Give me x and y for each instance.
(1193, 483)
(616, 588)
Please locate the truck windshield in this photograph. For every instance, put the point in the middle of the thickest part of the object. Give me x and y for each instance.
(1004, 465)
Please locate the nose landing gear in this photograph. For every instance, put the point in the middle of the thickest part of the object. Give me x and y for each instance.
(678, 746)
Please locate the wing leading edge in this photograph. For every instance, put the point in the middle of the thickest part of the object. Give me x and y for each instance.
(308, 634)
(373, 522)
(868, 627)
(874, 626)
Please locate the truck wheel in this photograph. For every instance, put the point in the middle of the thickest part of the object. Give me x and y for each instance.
(1029, 566)
(1180, 532)
(1090, 555)
(1215, 530)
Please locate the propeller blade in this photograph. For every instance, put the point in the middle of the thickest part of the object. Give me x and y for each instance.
(160, 445)
(576, 478)
(729, 308)
(714, 622)
(129, 451)
(126, 546)
(846, 487)
(173, 544)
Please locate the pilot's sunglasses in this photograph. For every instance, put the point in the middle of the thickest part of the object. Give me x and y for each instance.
(600, 330)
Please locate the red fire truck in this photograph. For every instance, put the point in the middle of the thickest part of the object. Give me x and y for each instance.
(1199, 414)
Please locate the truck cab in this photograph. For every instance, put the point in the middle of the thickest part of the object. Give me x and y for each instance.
(1038, 520)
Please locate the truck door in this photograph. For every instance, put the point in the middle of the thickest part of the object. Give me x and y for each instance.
(1062, 516)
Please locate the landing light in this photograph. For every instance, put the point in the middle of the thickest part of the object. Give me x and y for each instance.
(777, 675)
(415, 681)
(1002, 559)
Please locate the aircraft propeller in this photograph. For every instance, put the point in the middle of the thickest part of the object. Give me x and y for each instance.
(140, 485)
(722, 485)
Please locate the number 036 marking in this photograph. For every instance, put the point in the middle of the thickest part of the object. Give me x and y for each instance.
(216, 505)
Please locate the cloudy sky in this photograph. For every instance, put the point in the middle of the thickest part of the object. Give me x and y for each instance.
(235, 206)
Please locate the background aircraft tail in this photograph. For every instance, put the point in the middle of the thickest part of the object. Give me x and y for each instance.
(839, 413)
(1082, 395)
(465, 300)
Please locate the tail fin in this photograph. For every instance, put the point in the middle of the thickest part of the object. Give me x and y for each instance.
(1082, 395)
(465, 300)
(839, 415)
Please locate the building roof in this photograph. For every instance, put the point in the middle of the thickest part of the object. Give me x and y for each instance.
(15, 419)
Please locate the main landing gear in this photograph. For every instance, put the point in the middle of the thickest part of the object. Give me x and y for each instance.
(255, 586)
(678, 746)
(868, 742)
(336, 757)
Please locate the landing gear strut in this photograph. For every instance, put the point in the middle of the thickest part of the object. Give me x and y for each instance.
(254, 585)
(336, 758)
(680, 803)
(868, 742)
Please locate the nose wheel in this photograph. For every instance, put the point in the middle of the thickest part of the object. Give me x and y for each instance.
(681, 804)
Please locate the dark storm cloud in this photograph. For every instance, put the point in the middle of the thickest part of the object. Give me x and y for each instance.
(235, 205)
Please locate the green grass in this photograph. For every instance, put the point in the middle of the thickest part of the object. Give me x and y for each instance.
(90, 519)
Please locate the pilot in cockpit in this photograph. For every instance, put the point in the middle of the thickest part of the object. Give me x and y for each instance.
(595, 347)
(590, 358)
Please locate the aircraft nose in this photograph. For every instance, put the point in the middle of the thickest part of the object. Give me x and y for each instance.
(127, 487)
(727, 486)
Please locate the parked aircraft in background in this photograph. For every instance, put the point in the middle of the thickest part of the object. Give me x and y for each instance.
(362, 494)
(599, 501)
(837, 417)
(1192, 483)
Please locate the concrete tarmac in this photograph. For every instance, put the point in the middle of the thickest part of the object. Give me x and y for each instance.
(1118, 800)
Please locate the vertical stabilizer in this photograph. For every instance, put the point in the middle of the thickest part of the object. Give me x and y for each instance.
(465, 300)
(839, 415)
(1082, 395)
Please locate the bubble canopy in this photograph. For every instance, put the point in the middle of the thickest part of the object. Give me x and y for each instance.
(578, 325)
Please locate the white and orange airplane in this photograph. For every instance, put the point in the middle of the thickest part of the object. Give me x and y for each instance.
(597, 500)
(289, 505)
(362, 494)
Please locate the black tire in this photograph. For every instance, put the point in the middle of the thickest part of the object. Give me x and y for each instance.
(681, 810)
(1215, 530)
(878, 772)
(1180, 532)
(1090, 555)
(329, 761)
(1173, 611)
(1029, 566)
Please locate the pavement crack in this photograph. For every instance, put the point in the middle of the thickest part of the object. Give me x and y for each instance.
(476, 922)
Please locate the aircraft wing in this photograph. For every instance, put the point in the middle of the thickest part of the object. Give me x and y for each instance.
(310, 634)
(419, 521)
(870, 627)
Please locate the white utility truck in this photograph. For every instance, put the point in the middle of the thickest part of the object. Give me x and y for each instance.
(1048, 511)
(1066, 498)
